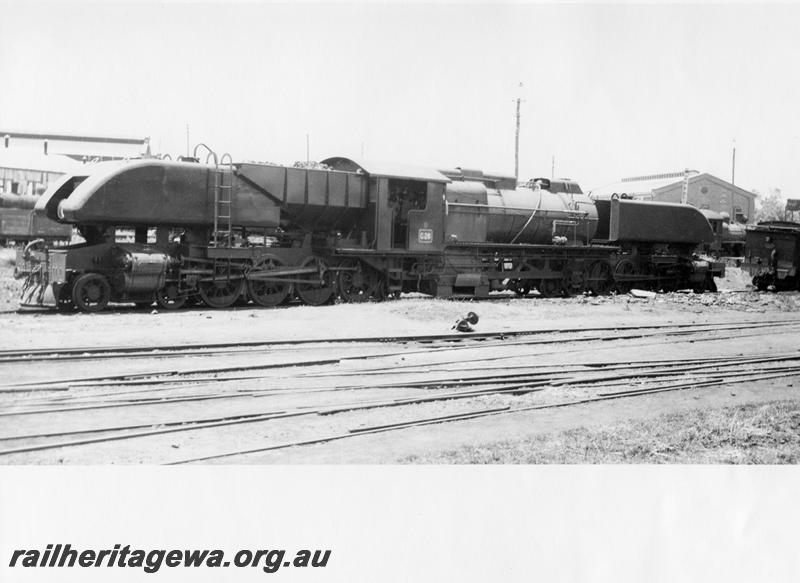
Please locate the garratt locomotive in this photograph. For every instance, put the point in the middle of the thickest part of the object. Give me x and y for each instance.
(222, 232)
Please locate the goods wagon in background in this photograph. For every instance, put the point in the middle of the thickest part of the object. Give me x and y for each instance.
(19, 223)
(24, 176)
(772, 255)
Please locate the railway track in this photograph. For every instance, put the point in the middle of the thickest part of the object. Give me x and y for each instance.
(298, 402)
(411, 345)
(167, 351)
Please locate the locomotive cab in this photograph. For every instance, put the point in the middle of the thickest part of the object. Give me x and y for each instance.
(405, 205)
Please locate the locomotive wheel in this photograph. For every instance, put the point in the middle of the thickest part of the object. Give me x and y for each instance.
(624, 270)
(598, 278)
(169, 298)
(381, 291)
(653, 282)
(359, 284)
(521, 287)
(223, 291)
(91, 292)
(668, 283)
(267, 293)
(550, 288)
(319, 290)
(761, 282)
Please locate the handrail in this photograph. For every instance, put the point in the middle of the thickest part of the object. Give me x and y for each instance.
(530, 218)
(209, 155)
(513, 208)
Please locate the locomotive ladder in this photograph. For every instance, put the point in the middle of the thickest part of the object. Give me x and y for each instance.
(222, 236)
(223, 186)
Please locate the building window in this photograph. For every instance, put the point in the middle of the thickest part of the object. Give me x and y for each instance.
(704, 189)
(14, 187)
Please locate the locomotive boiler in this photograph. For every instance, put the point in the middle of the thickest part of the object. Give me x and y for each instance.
(222, 232)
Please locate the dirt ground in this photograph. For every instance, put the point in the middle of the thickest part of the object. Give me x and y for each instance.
(123, 325)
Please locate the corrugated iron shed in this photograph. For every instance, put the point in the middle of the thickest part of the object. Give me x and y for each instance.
(21, 159)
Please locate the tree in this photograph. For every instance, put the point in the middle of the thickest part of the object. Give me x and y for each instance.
(770, 206)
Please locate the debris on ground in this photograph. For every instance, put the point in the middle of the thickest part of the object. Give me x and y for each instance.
(465, 324)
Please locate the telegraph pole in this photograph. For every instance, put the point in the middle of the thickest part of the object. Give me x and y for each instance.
(516, 138)
(733, 163)
(516, 146)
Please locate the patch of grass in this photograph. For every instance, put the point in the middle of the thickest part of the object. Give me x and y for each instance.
(764, 433)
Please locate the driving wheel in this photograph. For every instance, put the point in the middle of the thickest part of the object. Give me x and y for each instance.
(223, 290)
(319, 287)
(358, 283)
(262, 290)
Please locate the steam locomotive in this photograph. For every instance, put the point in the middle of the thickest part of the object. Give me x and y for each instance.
(221, 232)
(729, 236)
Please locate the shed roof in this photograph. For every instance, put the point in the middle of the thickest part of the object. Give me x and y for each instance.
(36, 161)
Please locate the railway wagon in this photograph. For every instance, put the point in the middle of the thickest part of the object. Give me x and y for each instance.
(772, 255)
(19, 222)
(222, 232)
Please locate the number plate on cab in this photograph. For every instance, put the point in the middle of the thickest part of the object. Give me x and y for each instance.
(425, 236)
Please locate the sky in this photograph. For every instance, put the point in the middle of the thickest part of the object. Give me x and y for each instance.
(608, 90)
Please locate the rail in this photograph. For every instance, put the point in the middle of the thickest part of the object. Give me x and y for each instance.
(327, 418)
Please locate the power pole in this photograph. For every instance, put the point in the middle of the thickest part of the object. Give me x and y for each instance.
(187, 140)
(553, 168)
(516, 146)
(308, 152)
(516, 139)
(733, 164)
